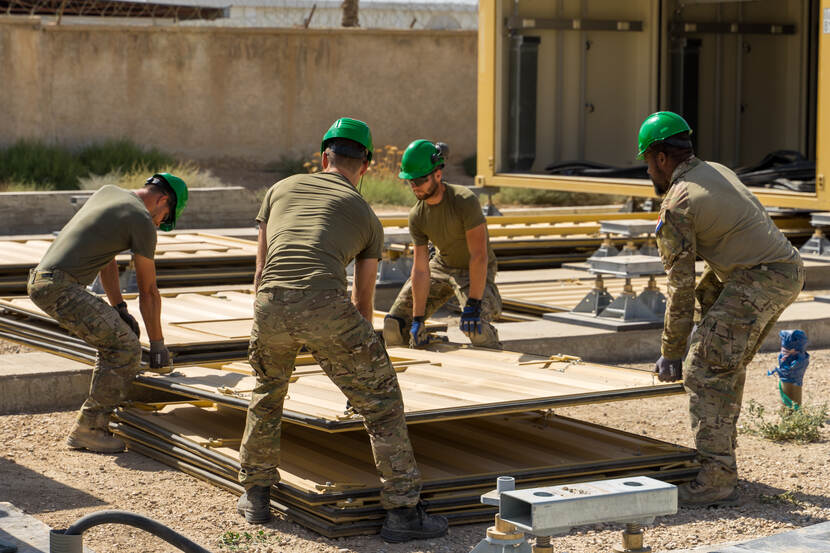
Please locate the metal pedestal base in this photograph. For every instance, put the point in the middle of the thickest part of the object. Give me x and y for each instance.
(596, 300)
(816, 245)
(606, 249)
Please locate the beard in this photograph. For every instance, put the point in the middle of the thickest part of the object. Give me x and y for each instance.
(660, 184)
(428, 193)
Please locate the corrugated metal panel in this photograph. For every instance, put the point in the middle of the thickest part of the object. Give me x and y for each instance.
(321, 468)
(205, 324)
(442, 383)
(182, 258)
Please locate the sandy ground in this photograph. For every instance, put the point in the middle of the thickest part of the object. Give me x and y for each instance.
(39, 475)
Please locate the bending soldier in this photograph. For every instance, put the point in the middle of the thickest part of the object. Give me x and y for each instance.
(111, 221)
(310, 227)
(464, 263)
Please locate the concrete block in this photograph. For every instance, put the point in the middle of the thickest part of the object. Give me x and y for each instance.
(32, 382)
(555, 509)
(26, 532)
(630, 227)
(628, 266)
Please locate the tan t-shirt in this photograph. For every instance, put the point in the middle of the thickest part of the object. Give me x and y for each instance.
(316, 224)
(729, 228)
(111, 221)
(446, 225)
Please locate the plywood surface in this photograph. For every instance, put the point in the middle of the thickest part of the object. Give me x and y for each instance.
(444, 382)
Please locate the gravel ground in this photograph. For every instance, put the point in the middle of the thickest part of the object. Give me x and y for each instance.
(57, 485)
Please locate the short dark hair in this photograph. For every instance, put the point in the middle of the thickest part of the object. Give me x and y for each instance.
(346, 154)
(677, 147)
(157, 188)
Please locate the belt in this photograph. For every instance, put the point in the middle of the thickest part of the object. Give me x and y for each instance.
(55, 274)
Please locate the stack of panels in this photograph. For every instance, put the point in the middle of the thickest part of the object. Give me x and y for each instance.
(207, 324)
(473, 415)
(182, 259)
(329, 484)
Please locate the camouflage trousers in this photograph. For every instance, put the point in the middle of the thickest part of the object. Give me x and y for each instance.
(352, 355)
(98, 324)
(444, 282)
(735, 317)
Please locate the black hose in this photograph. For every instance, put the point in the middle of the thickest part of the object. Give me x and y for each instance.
(138, 521)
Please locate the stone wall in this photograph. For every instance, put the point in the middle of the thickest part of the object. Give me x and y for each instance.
(257, 94)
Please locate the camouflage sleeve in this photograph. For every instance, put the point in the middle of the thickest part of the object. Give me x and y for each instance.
(676, 241)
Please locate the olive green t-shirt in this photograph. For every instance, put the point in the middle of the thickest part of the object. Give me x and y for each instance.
(111, 221)
(728, 226)
(446, 225)
(315, 225)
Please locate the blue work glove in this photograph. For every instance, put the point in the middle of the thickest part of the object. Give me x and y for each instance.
(669, 370)
(127, 318)
(418, 333)
(159, 357)
(471, 317)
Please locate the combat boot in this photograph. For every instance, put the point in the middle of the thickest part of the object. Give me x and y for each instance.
(393, 331)
(255, 505)
(695, 494)
(412, 523)
(90, 433)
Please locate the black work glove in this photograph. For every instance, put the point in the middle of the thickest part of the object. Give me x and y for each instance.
(159, 357)
(418, 335)
(127, 318)
(471, 317)
(669, 370)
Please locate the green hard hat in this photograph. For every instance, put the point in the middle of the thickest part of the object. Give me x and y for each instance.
(352, 129)
(420, 158)
(179, 189)
(660, 126)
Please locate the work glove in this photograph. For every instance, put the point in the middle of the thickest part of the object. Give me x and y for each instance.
(471, 317)
(669, 370)
(127, 318)
(159, 357)
(418, 333)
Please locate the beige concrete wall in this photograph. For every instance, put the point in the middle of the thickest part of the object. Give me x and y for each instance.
(252, 93)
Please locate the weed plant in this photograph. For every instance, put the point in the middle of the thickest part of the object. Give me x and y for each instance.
(33, 165)
(135, 178)
(123, 156)
(801, 426)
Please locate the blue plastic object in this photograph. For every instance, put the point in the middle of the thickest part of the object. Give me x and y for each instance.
(793, 359)
(792, 362)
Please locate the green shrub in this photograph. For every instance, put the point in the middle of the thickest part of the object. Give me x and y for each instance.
(383, 190)
(34, 165)
(30, 163)
(122, 155)
(799, 426)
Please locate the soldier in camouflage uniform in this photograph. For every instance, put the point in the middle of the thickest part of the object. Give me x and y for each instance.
(464, 263)
(111, 221)
(752, 273)
(310, 227)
